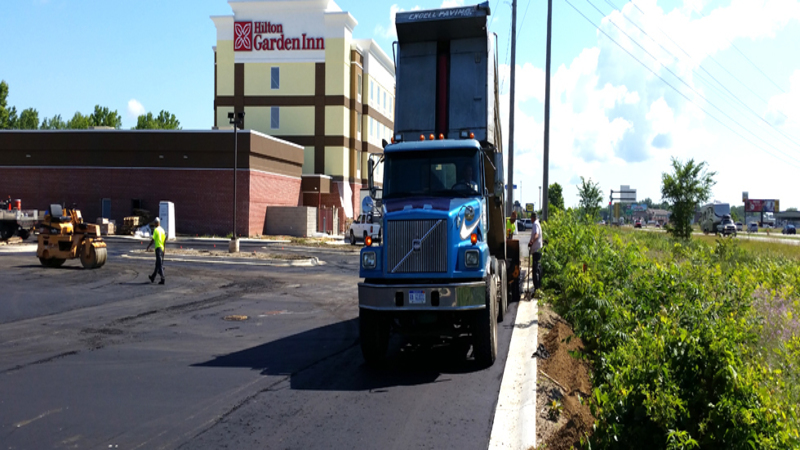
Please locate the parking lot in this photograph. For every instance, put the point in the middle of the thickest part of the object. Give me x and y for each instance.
(223, 356)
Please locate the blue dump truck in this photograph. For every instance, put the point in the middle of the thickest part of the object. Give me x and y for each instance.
(443, 268)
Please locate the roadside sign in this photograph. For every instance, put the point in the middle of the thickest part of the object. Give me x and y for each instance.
(529, 207)
(753, 205)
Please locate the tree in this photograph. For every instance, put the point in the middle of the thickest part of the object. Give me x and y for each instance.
(56, 123)
(164, 121)
(686, 187)
(649, 203)
(555, 197)
(590, 198)
(79, 122)
(4, 112)
(103, 117)
(28, 119)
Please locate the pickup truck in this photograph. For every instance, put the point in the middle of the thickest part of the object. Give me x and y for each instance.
(364, 225)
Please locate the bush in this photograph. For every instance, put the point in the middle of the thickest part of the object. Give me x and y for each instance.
(691, 344)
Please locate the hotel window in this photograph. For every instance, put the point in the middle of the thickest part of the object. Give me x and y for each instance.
(371, 127)
(275, 118)
(275, 76)
(384, 100)
(371, 90)
(358, 119)
(358, 86)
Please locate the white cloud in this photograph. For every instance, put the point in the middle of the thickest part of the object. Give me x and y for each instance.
(616, 122)
(390, 32)
(135, 108)
(452, 3)
(784, 109)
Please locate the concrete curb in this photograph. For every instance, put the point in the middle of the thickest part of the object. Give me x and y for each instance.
(18, 248)
(514, 424)
(311, 262)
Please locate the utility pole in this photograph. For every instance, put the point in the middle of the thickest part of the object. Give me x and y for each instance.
(237, 120)
(546, 168)
(510, 203)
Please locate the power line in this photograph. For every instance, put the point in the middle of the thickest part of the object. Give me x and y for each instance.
(729, 93)
(712, 58)
(749, 60)
(523, 18)
(674, 88)
(687, 84)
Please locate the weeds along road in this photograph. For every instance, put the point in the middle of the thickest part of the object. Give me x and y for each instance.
(104, 359)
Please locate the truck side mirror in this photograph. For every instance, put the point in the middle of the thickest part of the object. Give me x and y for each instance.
(370, 177)
(499, 179)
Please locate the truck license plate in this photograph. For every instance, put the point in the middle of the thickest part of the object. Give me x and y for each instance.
(416, 297)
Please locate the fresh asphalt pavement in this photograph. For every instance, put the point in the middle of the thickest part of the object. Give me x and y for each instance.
(105, 359)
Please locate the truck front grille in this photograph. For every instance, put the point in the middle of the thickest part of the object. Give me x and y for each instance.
(430, 254)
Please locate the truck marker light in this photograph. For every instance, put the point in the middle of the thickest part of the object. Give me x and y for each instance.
(368, 241)
(472, 135)
(431, 136)
(473, 238)
(392, 139)
(441, 136)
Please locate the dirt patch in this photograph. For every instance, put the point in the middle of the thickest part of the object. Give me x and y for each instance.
(564, 386)
(226, 254)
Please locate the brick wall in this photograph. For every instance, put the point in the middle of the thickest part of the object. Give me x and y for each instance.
(291, 220)
(266, 191)
(202, 198)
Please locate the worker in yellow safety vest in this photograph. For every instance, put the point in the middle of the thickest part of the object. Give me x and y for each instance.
(158, 239)
(511, 225)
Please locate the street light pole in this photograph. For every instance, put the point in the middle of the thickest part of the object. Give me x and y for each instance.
(237, 120)
(540, 197)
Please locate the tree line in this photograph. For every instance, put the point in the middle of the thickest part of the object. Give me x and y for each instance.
(28, 119)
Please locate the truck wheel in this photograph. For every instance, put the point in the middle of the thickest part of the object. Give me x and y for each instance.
(365, 238)
(7, 231)
(484, 346)
(503, 292)
(374, 330)
(352, 238)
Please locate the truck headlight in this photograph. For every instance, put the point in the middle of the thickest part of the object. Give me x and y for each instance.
(469, 213)
(472, 258)
(368, 260)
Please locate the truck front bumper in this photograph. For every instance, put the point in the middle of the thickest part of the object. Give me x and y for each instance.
(422, 297)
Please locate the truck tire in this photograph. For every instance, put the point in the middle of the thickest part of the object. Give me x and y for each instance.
(373, 328)
(7, 230)
(503, 292)
(352, 238)
(484, 346)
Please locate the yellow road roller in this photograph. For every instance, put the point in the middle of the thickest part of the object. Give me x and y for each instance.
(63, 235)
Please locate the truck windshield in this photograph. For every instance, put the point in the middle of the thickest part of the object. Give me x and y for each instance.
(452, 173)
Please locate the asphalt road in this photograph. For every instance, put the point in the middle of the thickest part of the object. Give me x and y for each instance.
(104, 359)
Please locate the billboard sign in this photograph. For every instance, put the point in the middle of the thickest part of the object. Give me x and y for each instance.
(758, 206)
(640, 207)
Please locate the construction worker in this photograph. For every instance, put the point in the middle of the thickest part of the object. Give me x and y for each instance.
(511, 225)
(159, 237)
(535, 252)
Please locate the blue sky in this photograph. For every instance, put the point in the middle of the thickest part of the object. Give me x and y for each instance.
(611, 119)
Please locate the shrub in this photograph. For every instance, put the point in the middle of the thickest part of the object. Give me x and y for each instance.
(692, 344)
